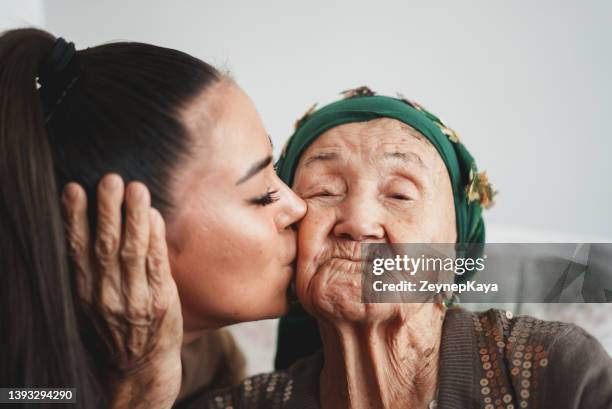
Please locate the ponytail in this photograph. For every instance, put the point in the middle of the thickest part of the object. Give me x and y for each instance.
(39, 338)
(116, 108)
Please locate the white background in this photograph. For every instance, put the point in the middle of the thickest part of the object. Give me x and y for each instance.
(526, 84)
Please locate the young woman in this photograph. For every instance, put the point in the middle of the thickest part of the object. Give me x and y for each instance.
(148, 116)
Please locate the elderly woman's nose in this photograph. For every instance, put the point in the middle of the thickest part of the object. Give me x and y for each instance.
(358, 220)
(293, 208)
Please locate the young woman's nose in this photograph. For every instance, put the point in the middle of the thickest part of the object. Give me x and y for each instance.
(358, 220)
(293, 208)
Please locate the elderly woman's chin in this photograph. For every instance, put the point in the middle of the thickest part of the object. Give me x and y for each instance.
(331, 290)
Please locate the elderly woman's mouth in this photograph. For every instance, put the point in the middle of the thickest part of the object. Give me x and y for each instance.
(344, 264)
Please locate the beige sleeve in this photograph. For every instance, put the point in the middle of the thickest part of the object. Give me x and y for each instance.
(210, 362)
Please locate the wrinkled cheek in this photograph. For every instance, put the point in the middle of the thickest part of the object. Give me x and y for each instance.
(335, 291)
(313, 245)
(411, 230)
(335, 295)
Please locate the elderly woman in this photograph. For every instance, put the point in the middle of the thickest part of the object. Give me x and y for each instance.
(375, 169)
(380, 169)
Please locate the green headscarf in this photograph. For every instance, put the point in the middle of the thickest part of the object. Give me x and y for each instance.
(471, 190)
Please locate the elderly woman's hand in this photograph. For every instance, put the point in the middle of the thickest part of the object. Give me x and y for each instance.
(125, 286)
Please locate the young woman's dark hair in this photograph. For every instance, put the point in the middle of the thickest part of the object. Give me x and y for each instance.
(114, 108)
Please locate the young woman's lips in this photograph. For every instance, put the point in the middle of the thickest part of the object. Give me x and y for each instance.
(291, 289)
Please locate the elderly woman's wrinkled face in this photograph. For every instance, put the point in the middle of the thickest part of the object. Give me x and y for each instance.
(378, 182)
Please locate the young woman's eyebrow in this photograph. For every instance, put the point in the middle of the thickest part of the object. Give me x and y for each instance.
(271, 143)
(254, 169)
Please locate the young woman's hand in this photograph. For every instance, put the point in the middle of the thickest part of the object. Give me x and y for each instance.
(124, 284)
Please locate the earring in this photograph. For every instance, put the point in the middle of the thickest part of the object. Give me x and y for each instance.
(450, 302)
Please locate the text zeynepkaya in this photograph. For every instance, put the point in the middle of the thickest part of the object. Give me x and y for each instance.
(427, 265)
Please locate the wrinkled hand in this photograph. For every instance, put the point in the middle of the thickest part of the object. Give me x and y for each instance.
(124, 284)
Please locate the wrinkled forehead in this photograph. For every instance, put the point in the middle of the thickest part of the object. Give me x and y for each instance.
(372, 141)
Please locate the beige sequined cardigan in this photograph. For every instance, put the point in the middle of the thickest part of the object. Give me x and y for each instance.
(488, 360)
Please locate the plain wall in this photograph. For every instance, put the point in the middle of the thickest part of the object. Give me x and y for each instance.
(525, 84)
(20, 13)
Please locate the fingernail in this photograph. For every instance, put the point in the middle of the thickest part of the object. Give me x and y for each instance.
(111, 181)
(71, 191)
(136, 191)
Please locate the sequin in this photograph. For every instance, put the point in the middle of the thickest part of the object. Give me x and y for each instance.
(506, 345)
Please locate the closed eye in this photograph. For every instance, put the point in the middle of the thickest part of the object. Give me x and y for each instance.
(324, 193)
(321, 194)
(267, 198)
(400, 196)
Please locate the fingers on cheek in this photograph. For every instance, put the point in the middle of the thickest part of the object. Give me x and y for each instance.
(158, 268)
(138, 301)
(137, 340)
(106, 247)
(162, 285)
(110, 301)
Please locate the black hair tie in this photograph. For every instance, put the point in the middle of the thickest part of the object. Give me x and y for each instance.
(57, 74)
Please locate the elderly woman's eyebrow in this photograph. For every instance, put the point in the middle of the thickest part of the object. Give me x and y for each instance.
(321, 156)
(254, 169)
(407, 157)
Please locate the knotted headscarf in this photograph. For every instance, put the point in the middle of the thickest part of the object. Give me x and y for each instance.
(471, 189)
